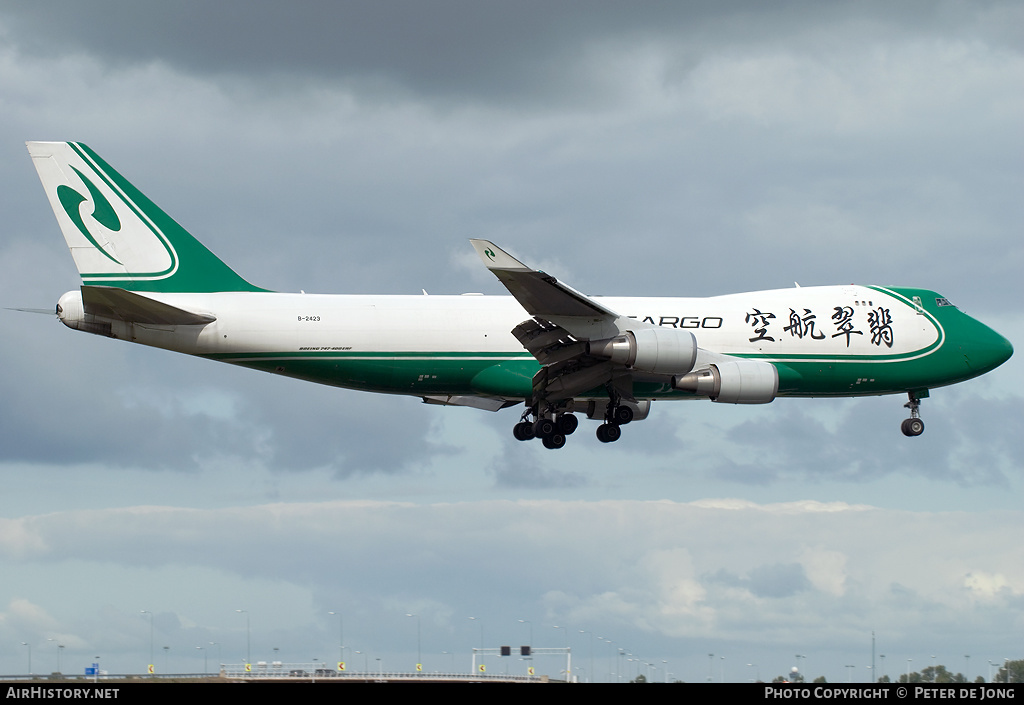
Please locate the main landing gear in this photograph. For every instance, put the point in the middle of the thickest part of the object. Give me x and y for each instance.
(617, 415)
(551, 429)
(555, 424)
(913, 426)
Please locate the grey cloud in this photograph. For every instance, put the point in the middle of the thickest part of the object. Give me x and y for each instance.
(774, 580)
(651, 572)
(966, 442)
(456, 47)
(521, 466)
(102, 402)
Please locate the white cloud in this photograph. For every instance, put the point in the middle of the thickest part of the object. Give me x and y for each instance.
(825, 569)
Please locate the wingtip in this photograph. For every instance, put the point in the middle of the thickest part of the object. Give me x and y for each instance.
(494, 257)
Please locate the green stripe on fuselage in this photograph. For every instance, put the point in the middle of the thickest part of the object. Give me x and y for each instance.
(500, 374)
(965, 348)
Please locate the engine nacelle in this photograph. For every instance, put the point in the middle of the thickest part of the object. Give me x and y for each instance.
(733, 382)
(658, 350)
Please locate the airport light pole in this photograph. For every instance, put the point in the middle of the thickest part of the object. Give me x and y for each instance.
(585, 631)
(526, 621)
(341, 635)
(220, 663)
(150, 634)
(419, 657)
(25, 643)
(248, 633)
(481, 622)
(613, 671)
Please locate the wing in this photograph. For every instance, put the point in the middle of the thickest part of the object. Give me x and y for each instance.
(571, 335)
(582, 346)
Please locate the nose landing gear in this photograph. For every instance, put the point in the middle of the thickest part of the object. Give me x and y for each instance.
(913, 426)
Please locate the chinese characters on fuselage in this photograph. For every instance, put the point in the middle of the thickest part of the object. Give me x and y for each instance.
(803, 324)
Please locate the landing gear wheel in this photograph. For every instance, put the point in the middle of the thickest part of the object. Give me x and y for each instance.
(567, 424)
(912, 427)
(608, 433)
(543, 427)
(554, 441)
(622, 415)
(523, 431)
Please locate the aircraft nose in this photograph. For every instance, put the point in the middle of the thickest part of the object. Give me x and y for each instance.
(987, 349)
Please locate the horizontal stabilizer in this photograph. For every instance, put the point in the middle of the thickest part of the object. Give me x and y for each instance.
(111, 302)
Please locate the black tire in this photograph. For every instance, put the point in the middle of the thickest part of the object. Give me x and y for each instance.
(523, 431)
(567, 424)
(912, 427)
(608, 433)
(542, 428)
(554, 441)
(622, 415)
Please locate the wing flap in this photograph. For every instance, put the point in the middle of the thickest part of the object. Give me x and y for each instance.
(548, 342)
(485, 403)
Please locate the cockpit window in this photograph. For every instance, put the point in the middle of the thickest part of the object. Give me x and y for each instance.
(943, 301)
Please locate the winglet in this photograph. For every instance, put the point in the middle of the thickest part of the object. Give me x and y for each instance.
(494, 257)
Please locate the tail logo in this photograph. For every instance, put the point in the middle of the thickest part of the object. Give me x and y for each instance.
(103, 213)
(116, 235)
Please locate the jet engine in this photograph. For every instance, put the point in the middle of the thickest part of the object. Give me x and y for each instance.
(733, 382)
(657, 350)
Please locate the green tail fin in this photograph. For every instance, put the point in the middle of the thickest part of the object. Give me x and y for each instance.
(117, 236)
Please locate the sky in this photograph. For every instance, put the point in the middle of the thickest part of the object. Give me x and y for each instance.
(651, 148)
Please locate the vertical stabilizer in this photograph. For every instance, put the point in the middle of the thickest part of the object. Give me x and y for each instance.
(117, 236)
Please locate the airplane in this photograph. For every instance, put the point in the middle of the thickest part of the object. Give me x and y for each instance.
(557, 352)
